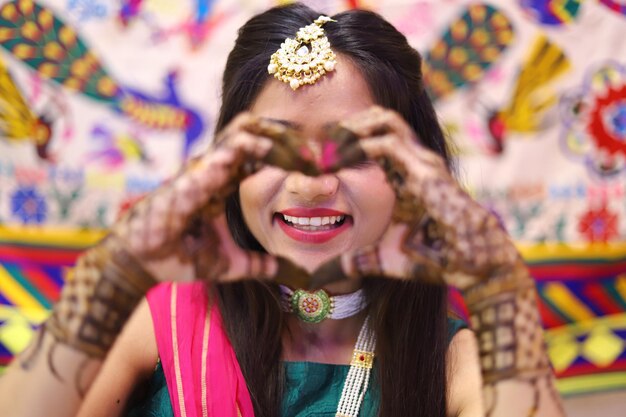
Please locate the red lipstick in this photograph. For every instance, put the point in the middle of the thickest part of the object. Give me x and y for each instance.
(312, 236)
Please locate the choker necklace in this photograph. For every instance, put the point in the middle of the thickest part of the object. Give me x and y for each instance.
(313, 307)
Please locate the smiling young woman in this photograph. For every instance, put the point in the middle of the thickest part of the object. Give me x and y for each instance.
(329, 167)
(355, 203)
(369, 71)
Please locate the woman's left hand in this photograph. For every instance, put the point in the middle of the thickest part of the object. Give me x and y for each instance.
(437, 231)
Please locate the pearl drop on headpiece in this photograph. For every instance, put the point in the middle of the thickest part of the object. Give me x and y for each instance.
(306, 58)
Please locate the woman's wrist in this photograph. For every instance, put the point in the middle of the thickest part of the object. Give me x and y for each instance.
(510, 347)
(98, 297)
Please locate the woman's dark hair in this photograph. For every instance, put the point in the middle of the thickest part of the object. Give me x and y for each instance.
(409, 318)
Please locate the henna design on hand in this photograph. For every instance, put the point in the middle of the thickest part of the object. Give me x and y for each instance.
(96, 300)
(502, 320)
(178, 219)
(448, 237)
(153, 228)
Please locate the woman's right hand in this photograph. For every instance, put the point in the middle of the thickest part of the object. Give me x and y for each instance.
(176, 233)
(179, 231)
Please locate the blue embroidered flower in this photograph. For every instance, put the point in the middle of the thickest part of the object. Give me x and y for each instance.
(29, 205)
(617, 120)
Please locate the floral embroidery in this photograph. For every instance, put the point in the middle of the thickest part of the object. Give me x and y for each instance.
(29, 205)
(594, 117)
(598, 225)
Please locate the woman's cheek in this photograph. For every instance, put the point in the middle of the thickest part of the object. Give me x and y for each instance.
(257, 195)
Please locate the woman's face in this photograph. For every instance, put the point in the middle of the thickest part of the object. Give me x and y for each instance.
(313, 219)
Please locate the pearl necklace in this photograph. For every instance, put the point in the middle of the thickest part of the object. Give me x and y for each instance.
(317, 306)
(359, 374)
(314, 307)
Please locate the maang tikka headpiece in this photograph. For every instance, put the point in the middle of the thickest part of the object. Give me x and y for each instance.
(305, 59)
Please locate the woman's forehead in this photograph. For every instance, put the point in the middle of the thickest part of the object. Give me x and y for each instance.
(336, 96)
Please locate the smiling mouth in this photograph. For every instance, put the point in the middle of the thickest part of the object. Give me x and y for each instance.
(313, 224)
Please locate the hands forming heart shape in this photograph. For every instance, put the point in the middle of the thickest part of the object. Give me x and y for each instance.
(437, 231)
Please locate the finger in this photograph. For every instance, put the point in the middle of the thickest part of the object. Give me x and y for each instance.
(292, 157)
(292, 153)
(202, 246)
(390, 149)
(378, 121)
(393, 256)
(242, 264)
(283, 147)
(251, 138)
(261, 266)
(237, 124)
(367, 262)
(341, 150)
(409, 167)
(250, 145)
(365, 123)
(412, 251)
(233, 256)
(260, 126)
(220, 171)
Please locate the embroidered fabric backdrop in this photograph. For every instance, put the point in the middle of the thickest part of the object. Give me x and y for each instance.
(101, 100)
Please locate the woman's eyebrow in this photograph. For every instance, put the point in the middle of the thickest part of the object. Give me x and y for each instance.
(288, 123)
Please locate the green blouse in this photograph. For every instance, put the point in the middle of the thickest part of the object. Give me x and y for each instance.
(311, 389)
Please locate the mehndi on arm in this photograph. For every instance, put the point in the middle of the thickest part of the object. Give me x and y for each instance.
(454, 235)
(438, 233)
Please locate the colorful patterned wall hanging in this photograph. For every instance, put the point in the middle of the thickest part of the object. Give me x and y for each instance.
(101, 101)
(33, 263)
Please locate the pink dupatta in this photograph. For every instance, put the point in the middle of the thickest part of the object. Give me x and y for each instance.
(202, 373)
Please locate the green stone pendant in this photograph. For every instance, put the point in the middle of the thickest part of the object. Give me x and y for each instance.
(311, 307)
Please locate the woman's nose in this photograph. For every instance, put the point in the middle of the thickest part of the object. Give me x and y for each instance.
(312, 188)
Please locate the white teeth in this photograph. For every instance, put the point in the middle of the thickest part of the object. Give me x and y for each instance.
(313, 221)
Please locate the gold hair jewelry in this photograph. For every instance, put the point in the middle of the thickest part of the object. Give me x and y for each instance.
(305, 59)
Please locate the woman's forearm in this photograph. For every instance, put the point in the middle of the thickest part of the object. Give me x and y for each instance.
(47, 379)
(517, 378)
(98, 297)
